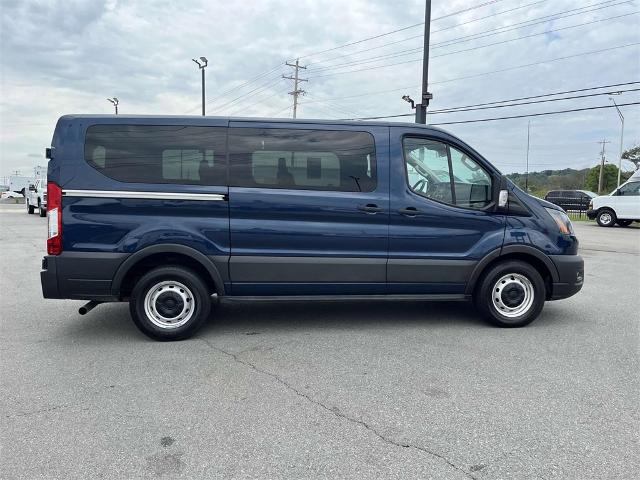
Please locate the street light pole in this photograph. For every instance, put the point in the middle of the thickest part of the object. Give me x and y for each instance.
(202, 63)
(421, 108)
(526, 177)
(621, 139)
(115, 102)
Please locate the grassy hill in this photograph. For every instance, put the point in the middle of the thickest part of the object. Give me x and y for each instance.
(568, 179)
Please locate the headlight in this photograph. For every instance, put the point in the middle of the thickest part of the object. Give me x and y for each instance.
(590, 204)
(562, 220)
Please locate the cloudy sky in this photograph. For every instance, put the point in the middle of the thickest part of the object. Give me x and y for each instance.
(60, 57)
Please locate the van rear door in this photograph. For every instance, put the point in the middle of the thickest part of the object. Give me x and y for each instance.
(309, 208)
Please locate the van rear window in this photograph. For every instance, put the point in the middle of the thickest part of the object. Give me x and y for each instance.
(302, 159)
(158, 154)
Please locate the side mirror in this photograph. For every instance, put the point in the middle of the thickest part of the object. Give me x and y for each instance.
(501, 192)
(503, 198)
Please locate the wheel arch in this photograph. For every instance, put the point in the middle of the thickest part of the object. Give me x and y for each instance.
(143, 260)
(524, 253)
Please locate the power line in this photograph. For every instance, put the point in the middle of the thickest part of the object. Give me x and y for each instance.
(532, 22)
(500, 118)
(419, 49)
(244, 96)
(482, 34)
(238, 87)
(434, 31)
(470, 107)
(334, 107)
(478, 104)
(398, 30)
(259, 101)
(480, 74)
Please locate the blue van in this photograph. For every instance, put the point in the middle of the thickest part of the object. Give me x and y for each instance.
(168, 212)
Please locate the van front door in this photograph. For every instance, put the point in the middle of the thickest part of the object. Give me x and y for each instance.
(627, 201)
(441, 216)
(309, 209)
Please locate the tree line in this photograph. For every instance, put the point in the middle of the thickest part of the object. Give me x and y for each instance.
(571, 179)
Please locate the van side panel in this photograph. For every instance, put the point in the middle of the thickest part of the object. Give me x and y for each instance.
(101, 223)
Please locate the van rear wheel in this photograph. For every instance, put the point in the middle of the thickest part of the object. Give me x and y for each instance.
(511, 294)
(30, 208)
(42, 211)
(170, 303)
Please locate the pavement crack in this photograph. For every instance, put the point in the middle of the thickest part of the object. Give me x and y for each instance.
(334, 411)
(41, 410)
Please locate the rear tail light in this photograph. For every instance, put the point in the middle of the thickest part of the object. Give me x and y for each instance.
(54, 207)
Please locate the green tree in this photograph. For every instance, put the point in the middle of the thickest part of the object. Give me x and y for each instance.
(609, 178)
(633, 155)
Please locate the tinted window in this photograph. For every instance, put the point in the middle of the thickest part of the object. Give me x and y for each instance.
(302, 159)
(158, 154)
(440, 172)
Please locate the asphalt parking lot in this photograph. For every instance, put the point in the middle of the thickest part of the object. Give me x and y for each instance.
(329, 390)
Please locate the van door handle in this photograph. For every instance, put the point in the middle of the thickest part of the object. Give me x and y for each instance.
(409, 211)
(370, 208)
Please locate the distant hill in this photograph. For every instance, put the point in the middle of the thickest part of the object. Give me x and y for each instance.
(568, 179)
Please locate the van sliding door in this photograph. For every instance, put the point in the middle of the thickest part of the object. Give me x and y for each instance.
(309, 209)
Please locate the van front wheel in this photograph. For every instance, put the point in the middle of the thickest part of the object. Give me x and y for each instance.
(606, 218)
(511, 294)
(170, 303)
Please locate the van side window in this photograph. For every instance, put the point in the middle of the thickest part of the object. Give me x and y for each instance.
(158, 154)
(440, 172)
(630, 189)
(302, 159)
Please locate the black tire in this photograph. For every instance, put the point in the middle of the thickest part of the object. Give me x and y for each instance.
(171, 297)
(606, 218)
(514, 272)
(42, 211)
(30, 208)
(624, 223)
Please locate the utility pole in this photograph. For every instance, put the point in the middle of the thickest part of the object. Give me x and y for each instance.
(115, 102)
(421, 108)
(603, 142)
(202, 64)
(296, 80)
(526, 176)
(621, 139)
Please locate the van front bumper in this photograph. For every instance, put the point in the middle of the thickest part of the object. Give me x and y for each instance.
(592, 214)
(570, 276)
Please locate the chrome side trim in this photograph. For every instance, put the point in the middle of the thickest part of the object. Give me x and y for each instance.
(144, 195)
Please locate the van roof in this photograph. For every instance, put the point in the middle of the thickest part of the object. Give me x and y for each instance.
(199, 120)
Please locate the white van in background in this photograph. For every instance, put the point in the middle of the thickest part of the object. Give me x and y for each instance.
(622, 206)
(36, 196)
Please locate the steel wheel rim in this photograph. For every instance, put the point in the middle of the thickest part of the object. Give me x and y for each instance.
(505, 300)
(157, 304)
(605, 218)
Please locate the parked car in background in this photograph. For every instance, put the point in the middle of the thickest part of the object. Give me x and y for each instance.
(570, 199)
(622, 206)
(36, 197)
(164, 212)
